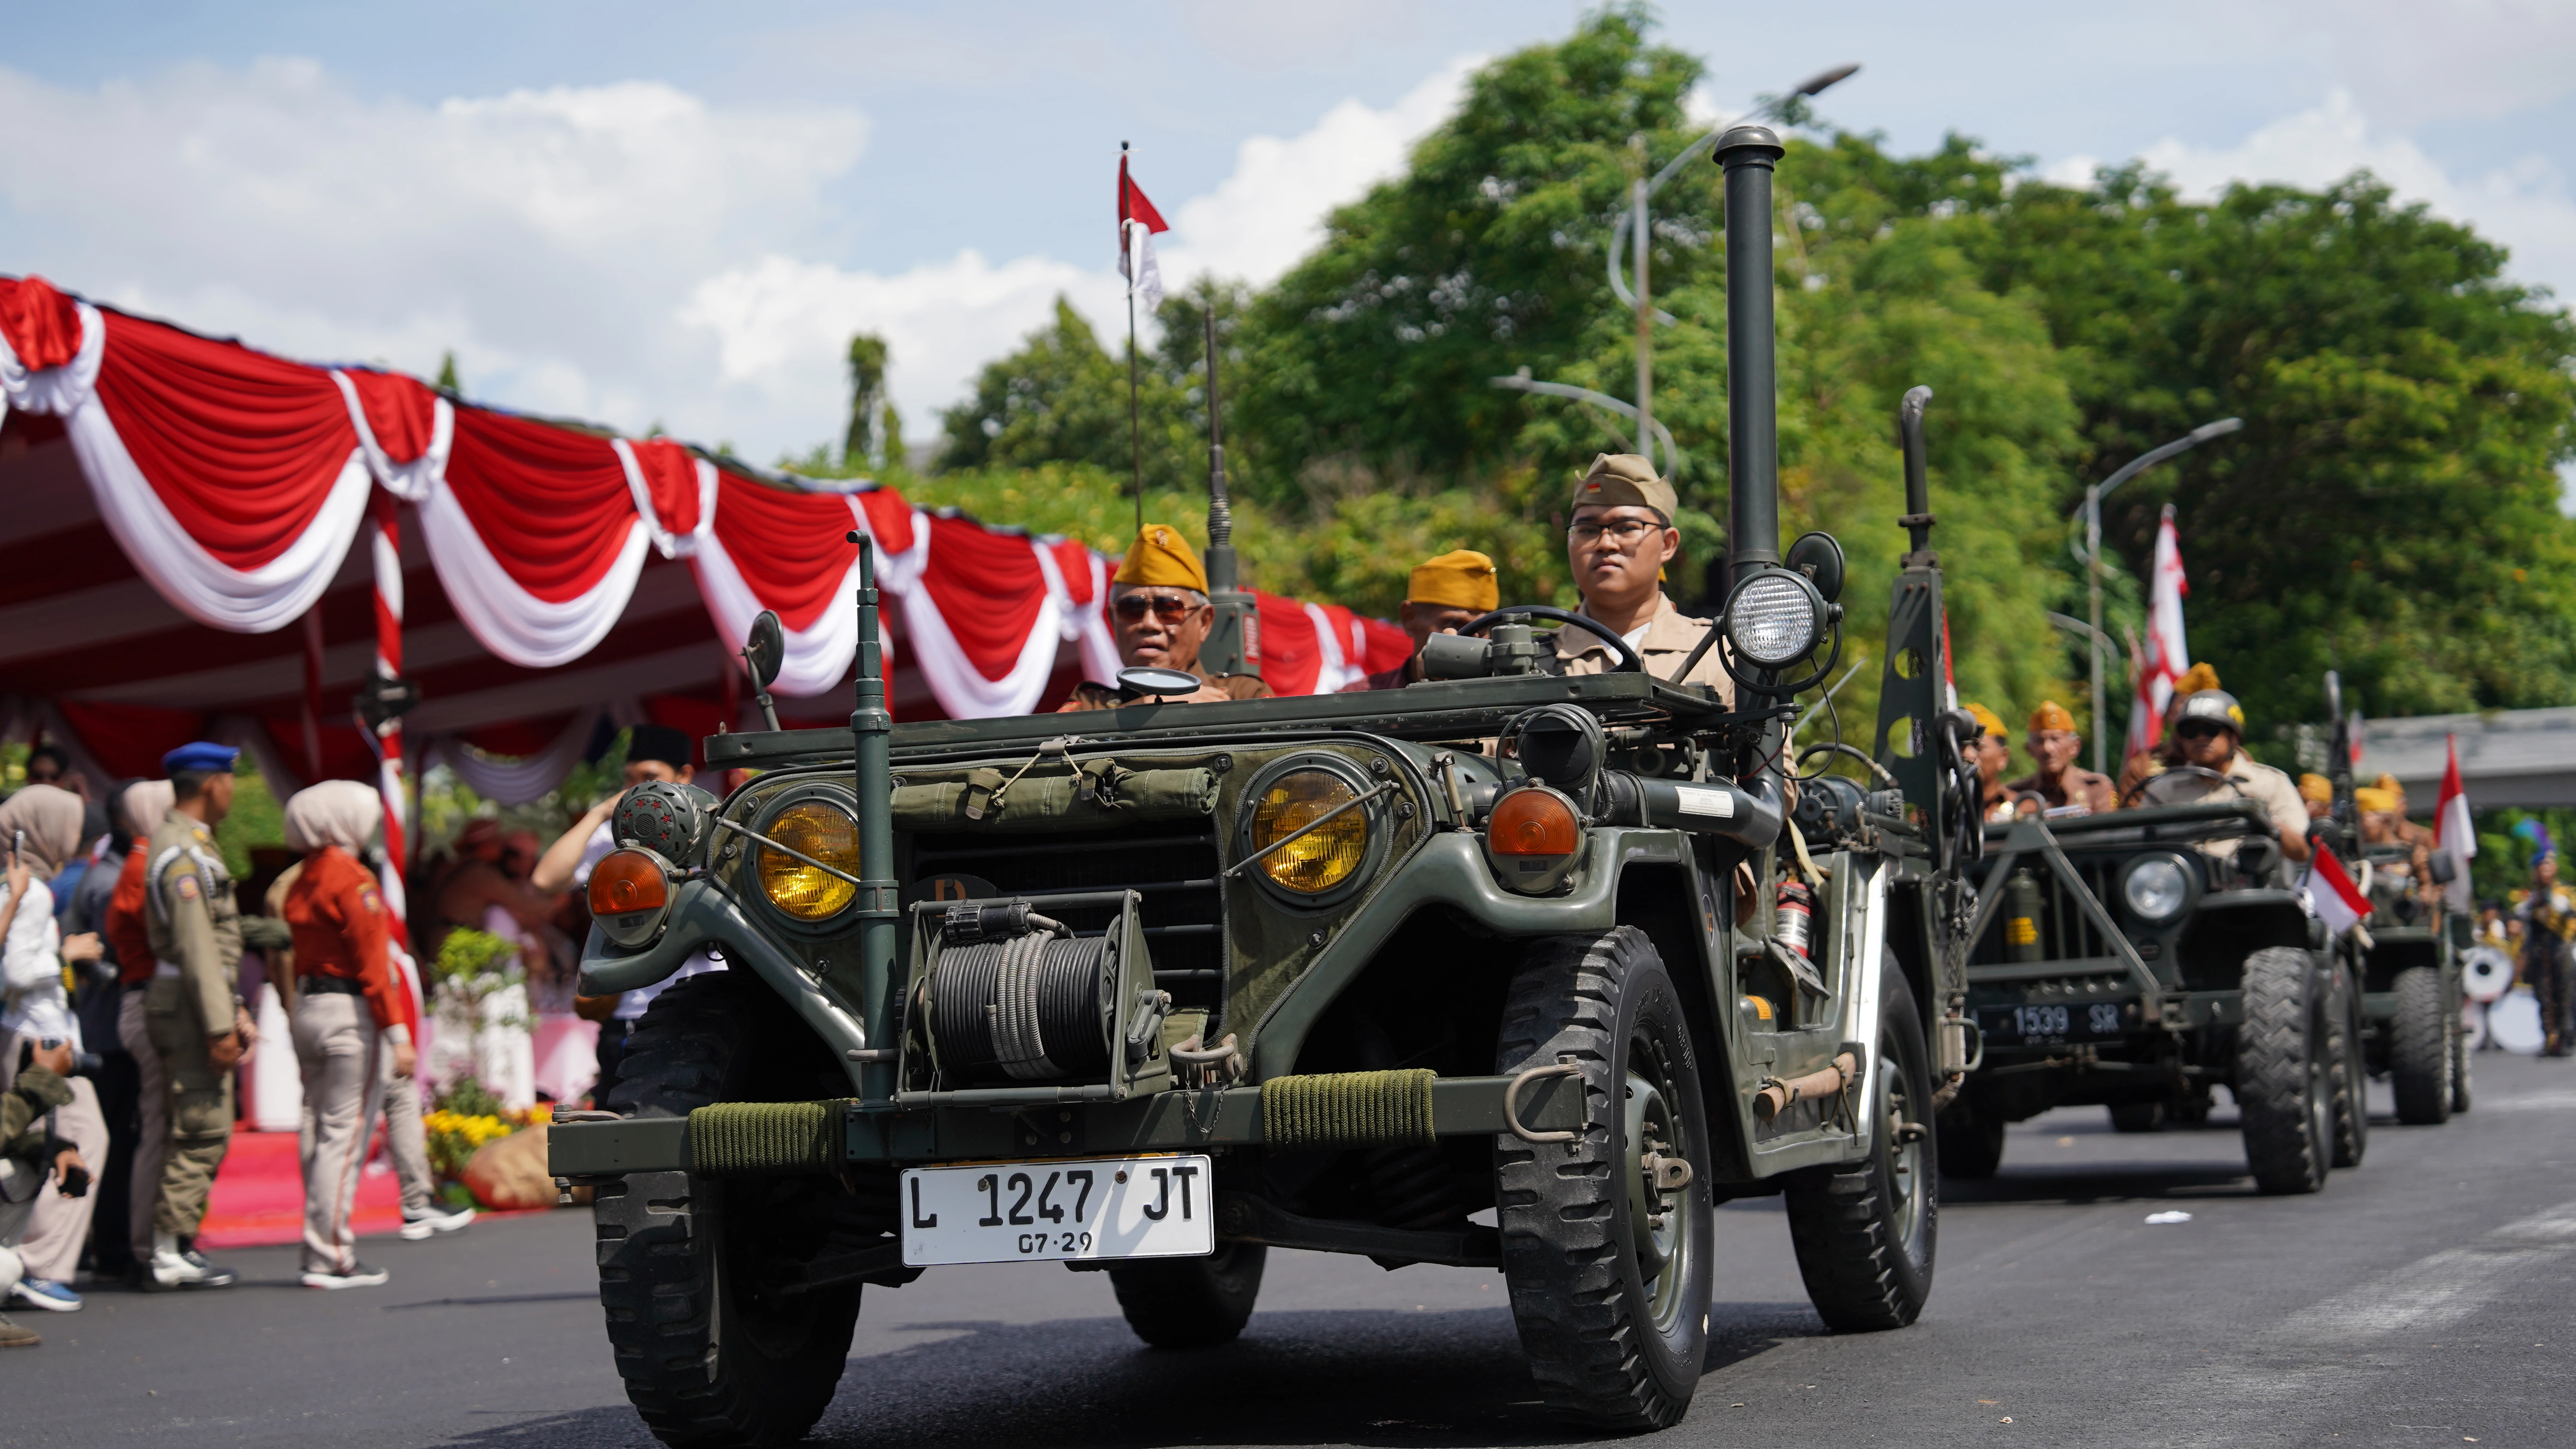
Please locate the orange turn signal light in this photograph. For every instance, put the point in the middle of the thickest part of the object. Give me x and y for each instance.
(1532, 822)
(626, 881)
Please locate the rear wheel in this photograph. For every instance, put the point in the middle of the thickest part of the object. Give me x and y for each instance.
(2420, 1059)
(2350, 1079)
(2284, 1089)
(1191, 1302)
(1606, 1238)
(710, 1354)
(1864, 1233)
(2460, 1056)
(1971, 1142)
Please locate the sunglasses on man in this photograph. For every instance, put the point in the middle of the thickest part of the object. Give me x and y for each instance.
(1169, 608)
(2199, 729)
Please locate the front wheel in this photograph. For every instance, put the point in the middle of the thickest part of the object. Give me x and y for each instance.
(1606, 1238)
(2419, 1049)
(2284, 1069)
(2350, 1071)
(1864, 1232)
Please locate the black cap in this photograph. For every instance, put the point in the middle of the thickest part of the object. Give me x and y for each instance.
(661, 742)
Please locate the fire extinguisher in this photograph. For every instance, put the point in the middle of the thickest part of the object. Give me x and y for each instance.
(1793, 925)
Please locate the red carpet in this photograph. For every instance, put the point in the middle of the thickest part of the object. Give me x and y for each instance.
(258, 1199)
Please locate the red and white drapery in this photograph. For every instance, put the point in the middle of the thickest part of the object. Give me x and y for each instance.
(235, 482)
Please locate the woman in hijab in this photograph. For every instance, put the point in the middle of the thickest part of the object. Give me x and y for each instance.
(42, 825)
(350, 1005)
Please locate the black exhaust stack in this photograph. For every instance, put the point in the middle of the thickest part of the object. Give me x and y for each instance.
(1748, 153)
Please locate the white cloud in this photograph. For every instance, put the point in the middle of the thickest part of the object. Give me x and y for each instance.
(2523, 203)
(781, 324)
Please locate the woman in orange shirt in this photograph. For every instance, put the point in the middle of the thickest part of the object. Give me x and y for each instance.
(349, 1006)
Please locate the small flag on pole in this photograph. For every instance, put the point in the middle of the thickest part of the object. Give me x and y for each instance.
(2166, 657)
(1138, 218)
(2332, 896)
(2453, 835)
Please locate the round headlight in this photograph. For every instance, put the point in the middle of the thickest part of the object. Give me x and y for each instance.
(1773, 618)
(2156, 889)
(825, 832)
(1322, 858)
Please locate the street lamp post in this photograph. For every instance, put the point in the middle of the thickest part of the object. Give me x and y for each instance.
(2093, 497)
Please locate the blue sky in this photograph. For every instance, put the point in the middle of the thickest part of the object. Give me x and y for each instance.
(659, 213)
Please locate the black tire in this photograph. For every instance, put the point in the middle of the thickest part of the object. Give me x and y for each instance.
(2137, 1116)
(1972, 1143)
(2284, 1089)
(2419, 1049)
(2460, 1057)
(1865, 1232)
(1609, 1278)
(708, 1356)
(1191, 1302)
(2350, 1103)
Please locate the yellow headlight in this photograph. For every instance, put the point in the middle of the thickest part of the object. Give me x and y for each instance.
(1322, 858)
(824, 832)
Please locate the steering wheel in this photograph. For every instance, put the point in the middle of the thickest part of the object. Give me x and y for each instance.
(2153, 795)
(1628, 659)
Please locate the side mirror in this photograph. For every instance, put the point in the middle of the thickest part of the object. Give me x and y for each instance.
(1820, 558)
(766, 651)
(1144, 681)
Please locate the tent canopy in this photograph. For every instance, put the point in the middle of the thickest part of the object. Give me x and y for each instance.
(208, 541)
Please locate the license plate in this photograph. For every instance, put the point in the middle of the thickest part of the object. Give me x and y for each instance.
(2083, 1021)
(1108, 1207)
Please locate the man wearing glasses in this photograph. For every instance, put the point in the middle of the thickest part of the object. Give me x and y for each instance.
(1620, 538)
(1158, 603)
(2212, 731)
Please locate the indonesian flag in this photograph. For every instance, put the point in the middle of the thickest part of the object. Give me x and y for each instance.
(1137, 218)
(2332, 896)
(2452, 834)
(2165, 658)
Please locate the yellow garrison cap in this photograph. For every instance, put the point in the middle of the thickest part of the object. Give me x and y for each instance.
(2051, 716)
(2194, 680)
(2389, 784)
(1987, 720)
(1618, 478)
(1160, 556)
(2316, 787)
(1462, 579)
(2371, 797)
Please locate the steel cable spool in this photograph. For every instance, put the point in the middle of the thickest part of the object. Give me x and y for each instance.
(1028, 1006)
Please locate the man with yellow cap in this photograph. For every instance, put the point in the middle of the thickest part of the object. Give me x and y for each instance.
(1618, 542)
(1993, 752)
(2060, 782)
(1443, 594)
(2166, 753)
(1158, 603)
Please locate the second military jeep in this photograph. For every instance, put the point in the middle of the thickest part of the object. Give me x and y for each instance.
(2139, 958)
(1507, 969)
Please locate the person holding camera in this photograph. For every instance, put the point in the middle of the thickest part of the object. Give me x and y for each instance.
(32, 1153)
(42, 824)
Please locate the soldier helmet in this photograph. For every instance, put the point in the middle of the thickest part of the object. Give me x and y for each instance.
(2216, 706)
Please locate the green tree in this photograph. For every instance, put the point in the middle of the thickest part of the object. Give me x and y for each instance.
(447, 382)
(1063, 399)
(875, 434)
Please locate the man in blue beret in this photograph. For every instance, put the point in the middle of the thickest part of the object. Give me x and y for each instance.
(192, 1008)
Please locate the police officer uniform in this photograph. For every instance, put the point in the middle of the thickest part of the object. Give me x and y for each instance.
(2275, 791)
(195, 934)
(1161, 558)
(1667, 637)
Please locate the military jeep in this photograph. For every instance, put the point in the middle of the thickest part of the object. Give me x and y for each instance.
(1506, 969)
(2137, 959)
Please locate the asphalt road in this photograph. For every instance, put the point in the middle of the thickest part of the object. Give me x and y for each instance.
(2422, 1299)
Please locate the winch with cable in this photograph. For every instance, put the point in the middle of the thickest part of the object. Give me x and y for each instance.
(1013, 995)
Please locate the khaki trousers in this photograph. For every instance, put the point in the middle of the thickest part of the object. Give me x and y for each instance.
(405, 1141)
(152, 1106)
(58, 1226)
(336, 1045)
(201, 1107)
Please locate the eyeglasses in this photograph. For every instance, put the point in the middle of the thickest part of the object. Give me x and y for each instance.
(2198, 730)
(1169, 608)
(1622, 531)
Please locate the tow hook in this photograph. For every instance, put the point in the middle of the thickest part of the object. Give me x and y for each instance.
(1911, 1131)
(1666, 1174)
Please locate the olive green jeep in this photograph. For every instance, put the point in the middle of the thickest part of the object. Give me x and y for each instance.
(1506, 969)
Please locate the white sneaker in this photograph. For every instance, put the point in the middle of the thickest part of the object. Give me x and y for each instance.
(358, 1276)
(188, 1270)
(414, 1229)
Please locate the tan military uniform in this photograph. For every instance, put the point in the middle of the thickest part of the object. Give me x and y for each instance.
(2078, 786)
(2265, 786)
(1670, 637)
(195, 931)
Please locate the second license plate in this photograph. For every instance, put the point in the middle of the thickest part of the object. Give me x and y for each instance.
(1106, 1207)
(2084, 1021)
